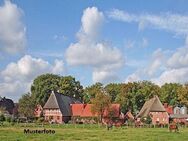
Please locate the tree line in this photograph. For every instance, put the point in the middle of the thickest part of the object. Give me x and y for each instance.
(131, 96)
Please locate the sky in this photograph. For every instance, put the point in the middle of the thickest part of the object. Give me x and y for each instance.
(103, 41)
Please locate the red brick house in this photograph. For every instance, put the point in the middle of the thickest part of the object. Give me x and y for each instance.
(57, 109)
(155, 110)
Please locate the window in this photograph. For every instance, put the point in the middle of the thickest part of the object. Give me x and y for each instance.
(58, 117)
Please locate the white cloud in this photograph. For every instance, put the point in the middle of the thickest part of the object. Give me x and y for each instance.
(104, 76)
(157, 61)
(88, 51)
(179, 59)
(12, 29)
(167, 21)
(17, 77)
(132, 77)
(172, 75)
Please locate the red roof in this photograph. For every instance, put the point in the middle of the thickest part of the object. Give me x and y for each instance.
(84, 110)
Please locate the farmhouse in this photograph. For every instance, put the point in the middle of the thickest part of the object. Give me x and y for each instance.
(57, 108)
(155, 110)
(60, 109)
(7, 106)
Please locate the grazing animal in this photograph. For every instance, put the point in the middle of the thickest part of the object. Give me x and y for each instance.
(109, 126)
(173, 127)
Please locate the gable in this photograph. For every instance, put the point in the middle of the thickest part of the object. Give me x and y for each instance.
(152, 105)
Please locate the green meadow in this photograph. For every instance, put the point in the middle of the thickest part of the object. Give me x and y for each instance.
(91, 133)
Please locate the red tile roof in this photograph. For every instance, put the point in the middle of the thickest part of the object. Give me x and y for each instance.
(84, 110)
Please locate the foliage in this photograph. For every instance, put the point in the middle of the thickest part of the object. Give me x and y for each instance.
(101, 102)
(8, 119)
(42, 87)
(70, 87)
(183, 95)
(2, 118)
(44, 84)
(91, 91)
(146, 120)
(26, 105)
(113, 90)
(169, 93)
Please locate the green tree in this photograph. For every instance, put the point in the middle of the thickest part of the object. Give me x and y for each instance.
(42, 87)
(183, 95)
(70, 87)
(125, 97)
(100, 103)
(113, 90)
(26, 105)
(169, 93)
(91, 91)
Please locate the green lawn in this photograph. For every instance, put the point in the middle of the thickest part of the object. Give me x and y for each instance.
(92, 133)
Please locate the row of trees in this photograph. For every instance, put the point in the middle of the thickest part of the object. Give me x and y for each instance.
(131, 96)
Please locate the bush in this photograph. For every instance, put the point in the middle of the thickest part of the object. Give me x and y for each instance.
(40, 119)
(2, 118)
(146, 120)
(8, 119)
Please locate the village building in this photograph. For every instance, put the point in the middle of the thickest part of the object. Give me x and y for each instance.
(84, 112)
(154, 108)
(6, 106)
(179, 115)
(57, 109)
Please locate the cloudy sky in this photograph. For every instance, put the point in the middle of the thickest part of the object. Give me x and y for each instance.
(93, 40)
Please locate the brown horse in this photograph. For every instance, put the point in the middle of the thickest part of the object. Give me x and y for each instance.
(173, 127)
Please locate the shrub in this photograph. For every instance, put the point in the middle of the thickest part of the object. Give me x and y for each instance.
(8, 119)
(146, 120)
(2, 118)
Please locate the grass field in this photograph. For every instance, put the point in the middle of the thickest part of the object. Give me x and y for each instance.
(92, 133)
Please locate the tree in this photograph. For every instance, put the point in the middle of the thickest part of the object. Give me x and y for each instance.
(125, 97)
(70, 87)
(169, 93)
(91, 91)
(26, 105)
(183, 95)
(42, 87)
(113, 90)
(100, 103)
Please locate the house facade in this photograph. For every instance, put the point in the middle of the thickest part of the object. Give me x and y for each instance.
(155, 110)
(57, 109)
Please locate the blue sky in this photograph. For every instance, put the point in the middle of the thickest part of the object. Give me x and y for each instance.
(93, 40)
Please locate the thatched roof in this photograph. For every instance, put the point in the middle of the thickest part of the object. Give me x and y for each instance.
(60, 101)
(152, 105)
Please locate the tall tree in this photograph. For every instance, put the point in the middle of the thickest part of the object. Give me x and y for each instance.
(70, 87)
(42, 87)
(100, 103)
(125, 97)
(169, 93)
(91, 91)
(183, 95)
(26, 105)
(113, 90)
